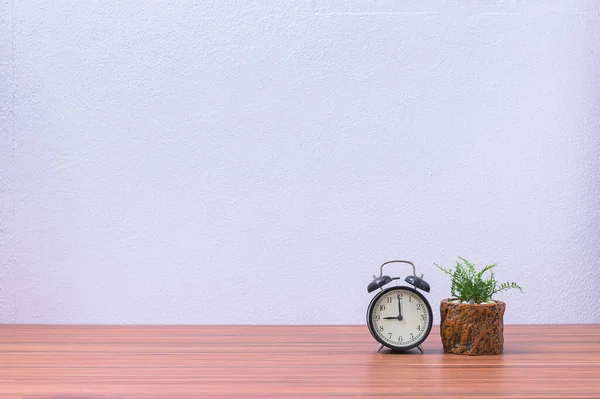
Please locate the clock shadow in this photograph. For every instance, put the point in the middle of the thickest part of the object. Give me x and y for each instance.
(388, 351)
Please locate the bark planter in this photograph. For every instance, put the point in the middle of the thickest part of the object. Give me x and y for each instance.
(472, 329)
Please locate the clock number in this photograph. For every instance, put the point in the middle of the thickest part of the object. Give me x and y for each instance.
(380, 328)
(390, 334)
(389, 299)
(410, 299)
(423, 317)
(419, 327)
(381, 307)
(377, 317)
(400, 338)
(418, 306)
(412, 336)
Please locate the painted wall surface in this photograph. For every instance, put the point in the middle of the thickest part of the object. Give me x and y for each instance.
(255, 162)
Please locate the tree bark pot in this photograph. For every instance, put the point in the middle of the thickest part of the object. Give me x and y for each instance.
(472, 329)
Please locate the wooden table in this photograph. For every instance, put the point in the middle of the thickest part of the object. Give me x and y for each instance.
(69, 362)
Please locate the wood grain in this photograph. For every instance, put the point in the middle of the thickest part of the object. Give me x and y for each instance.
(117, 362)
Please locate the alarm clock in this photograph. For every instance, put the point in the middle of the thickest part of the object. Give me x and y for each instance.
(399, 317)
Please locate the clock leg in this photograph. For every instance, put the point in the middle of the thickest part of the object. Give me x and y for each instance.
(380, 348)
(420, 348)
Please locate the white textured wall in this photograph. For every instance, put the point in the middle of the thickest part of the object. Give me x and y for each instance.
(255, 162)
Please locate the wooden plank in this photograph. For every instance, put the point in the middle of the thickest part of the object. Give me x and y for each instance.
(117, 362)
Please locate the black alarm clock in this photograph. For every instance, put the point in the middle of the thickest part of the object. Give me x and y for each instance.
(399, 317)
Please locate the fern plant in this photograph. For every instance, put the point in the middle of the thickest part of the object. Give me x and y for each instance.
(470, 285)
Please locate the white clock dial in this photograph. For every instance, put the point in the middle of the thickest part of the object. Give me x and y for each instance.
(400, 318)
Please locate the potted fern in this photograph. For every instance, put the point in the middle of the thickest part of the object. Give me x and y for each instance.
(472, 320)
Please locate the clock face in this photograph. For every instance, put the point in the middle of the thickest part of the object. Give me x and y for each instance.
(400, 318)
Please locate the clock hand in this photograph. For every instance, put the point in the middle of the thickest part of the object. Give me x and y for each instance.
(393, 318)
(399, 308)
